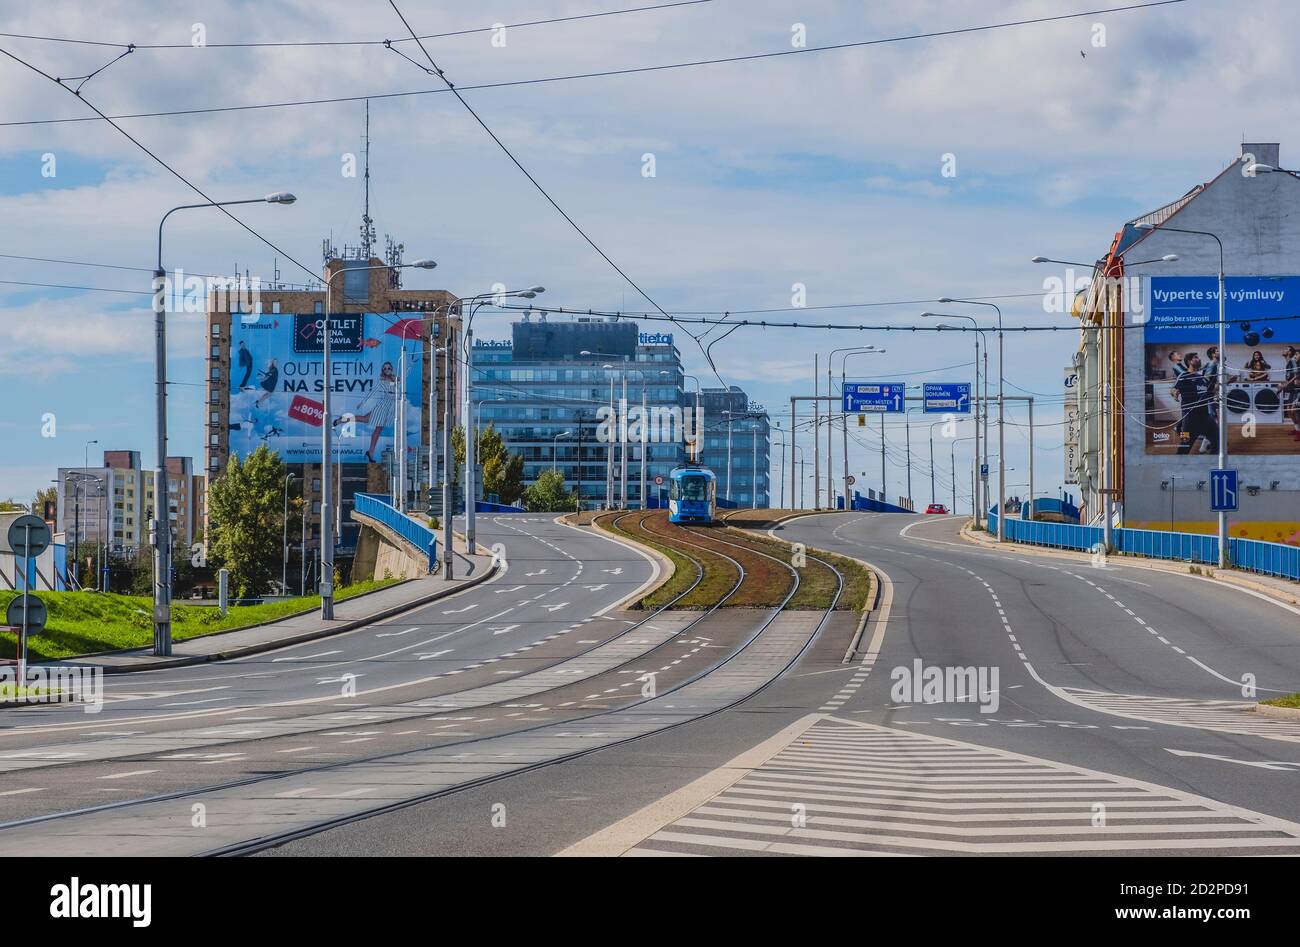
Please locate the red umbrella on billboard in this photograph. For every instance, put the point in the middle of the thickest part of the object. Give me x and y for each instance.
(407, 329)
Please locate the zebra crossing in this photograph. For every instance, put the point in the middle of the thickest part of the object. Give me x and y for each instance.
(847, 788)
(1225, 716)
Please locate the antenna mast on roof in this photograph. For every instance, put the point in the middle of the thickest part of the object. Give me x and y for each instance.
(367, 225)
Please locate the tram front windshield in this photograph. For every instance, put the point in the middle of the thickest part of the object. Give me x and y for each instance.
(695, 488)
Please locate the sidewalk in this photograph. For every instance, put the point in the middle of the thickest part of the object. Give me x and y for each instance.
(349, 614)
(1281, 590)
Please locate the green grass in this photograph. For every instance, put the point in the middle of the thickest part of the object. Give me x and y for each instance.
(1290, 700)
(86, 622)
(13, 691)
(817, 584)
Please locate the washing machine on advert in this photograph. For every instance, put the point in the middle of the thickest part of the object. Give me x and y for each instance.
(1259, 398)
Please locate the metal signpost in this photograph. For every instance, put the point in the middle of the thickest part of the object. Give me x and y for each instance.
(26, 538)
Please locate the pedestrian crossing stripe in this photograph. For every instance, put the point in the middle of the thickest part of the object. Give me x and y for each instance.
(1224, 716)
(834, 787)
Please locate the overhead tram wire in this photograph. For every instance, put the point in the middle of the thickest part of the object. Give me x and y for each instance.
(635, 70)
(176, 174)
(360, 42)
(537, 184)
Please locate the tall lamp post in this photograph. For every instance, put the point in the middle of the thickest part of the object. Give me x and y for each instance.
(284, 561)
(326, 578)
(162, 538)
(555, 441)
(1221, 377)
(976, 501)
(844, 418)
(844, 365)
(467, 343)
(1002, 428)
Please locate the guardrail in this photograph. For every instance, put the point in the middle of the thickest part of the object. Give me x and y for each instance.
(381, 510)
(1253, 555)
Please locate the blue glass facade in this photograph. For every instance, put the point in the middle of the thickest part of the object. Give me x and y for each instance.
(730, 415)
(550, 401)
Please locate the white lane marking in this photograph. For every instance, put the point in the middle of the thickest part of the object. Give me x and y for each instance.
(19, 792)
(297, 749)
(434, 654)
(134, 772)
(1273, 765)
(206, 700)
(306, 657)
(396, 634)
(515, 589)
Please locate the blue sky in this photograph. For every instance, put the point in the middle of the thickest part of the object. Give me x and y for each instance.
(824, 170)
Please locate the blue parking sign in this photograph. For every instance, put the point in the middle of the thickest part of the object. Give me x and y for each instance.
(1223, 491)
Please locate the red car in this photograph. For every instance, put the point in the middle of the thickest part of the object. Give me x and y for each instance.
(936, 508)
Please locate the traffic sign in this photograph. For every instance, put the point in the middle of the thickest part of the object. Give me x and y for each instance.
(942, 397)
(37, 614)
(27, 536)
(984, 471)
(659, 481)
(876, 397)
(1223, 491)
(850, 480)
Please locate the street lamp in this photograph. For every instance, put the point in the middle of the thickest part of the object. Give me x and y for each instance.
(555, 444)
(162, 557)
(467, 343)
(284, 563)
(844, 364)
(327, 430)
(844, 418)
(1002, 428)
(976, 501)
(1221, 396)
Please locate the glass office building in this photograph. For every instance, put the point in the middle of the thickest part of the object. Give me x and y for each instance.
(737, 446)
(547, 390)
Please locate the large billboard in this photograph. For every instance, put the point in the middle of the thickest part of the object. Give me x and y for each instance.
(277, 383)
(1262, 365)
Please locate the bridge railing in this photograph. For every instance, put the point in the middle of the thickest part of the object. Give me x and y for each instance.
(381, 510)
(1264, 558)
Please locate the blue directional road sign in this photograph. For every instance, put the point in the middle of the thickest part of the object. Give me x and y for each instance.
(889, 397)
(942, 397)
(1223, 491)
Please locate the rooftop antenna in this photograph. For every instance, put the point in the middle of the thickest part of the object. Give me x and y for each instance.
(367, 225)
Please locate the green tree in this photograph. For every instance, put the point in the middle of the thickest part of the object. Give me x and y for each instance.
(548, 494)
(50, 493)
(503, 472)
(245, 511)
(11, 506)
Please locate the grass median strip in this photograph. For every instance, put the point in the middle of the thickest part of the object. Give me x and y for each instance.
(86, 622)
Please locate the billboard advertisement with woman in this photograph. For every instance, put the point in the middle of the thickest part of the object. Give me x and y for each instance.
(1261, 365)
(277, 383)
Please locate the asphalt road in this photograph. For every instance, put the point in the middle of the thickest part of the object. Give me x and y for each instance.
(1114, 725)
(1082, 708)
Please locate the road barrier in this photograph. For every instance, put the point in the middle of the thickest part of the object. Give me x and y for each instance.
(1252, 555)
(381, 510)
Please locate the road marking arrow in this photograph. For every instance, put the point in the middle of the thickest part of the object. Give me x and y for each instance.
(504, 630)
(595, 588)
(395, 634)
(1280, 765)
(618, 571)
(538, 572)
(515, 589)
(434, 654)
(556, 608)
(458, 611)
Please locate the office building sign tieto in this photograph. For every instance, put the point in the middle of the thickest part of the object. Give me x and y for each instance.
(277, 381)
(1262, 365)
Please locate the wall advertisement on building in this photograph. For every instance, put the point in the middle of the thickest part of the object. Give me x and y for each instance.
(277, 384)
(1262, 365)
(1071, 425)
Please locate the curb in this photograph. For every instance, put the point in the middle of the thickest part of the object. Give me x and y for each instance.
(1209, 573)
(654, 583)
(1284, 713)
(260, 648)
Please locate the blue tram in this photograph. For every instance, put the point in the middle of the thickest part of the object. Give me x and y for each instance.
(692, 495)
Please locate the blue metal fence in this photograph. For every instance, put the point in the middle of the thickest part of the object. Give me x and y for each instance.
(381, 510)
(1276, 559)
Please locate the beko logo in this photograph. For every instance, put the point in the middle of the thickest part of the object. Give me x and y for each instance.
(134, 901)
